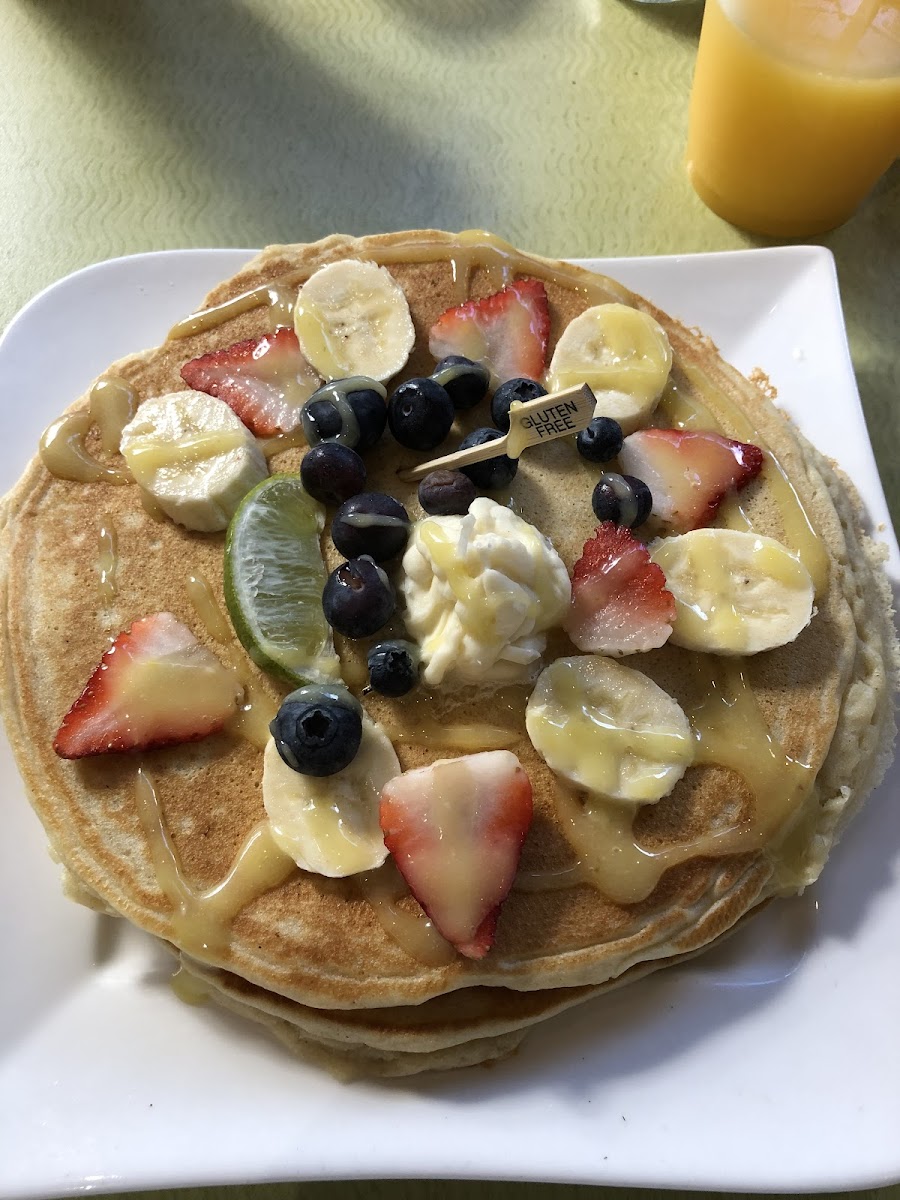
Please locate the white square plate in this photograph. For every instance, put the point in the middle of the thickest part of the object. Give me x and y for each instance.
(769, 1064)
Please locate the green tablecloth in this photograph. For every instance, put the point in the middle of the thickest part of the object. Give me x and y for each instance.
(559, 124)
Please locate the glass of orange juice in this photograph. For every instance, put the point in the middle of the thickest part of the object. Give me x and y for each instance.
(795, 110)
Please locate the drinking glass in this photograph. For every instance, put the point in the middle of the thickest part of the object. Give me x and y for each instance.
(795, 110)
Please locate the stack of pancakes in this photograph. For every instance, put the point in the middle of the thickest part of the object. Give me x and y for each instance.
(311, 957)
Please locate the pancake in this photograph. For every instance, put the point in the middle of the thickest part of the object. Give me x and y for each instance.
(346, 965)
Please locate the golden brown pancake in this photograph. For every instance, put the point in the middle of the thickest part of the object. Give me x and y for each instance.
(315, 958)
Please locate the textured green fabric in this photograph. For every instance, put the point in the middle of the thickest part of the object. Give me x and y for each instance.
(132, 125)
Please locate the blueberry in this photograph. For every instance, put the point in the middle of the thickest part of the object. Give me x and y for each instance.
(318, 730)
(621, 498)
(393, 668)
(370, 409)
(520, 389)
(643, 498)
(464, 381)
(446, 493)
(332, 473)
(350, 411)
(322, 422)
(601, 441)
(491, 473)
(358, 599)
(420, 414)
(370, 523)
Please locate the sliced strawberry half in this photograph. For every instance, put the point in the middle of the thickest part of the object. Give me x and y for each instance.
(155, 686)
(689, 472)
(620, 604)
(265, 380)
(508, 331)
(456, 830)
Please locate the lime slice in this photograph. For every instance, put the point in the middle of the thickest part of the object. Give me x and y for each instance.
(274, 575)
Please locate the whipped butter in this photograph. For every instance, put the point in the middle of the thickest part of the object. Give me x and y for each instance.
(480, 591)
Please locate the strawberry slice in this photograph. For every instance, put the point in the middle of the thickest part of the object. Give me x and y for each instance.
(689, 472)
(265, 380)
(155, 686)
(508, 331)
(620, 604)
(456, 829)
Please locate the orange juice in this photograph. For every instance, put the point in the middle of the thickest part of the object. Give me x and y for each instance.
(795, 110)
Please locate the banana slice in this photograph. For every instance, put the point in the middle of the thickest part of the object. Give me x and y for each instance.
(330, 825)
(609, 729)
(622, 354)
(352, 318)
(194, 457)
(735, 591)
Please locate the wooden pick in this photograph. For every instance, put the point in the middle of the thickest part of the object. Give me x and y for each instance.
(542, 420)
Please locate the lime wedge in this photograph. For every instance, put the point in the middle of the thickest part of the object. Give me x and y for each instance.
(274, 575)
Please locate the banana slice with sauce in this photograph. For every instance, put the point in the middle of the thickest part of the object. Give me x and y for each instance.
(352, 318)
(736, 592)
(609, 729)
(330, 825)
(623, 355)
(194, 457)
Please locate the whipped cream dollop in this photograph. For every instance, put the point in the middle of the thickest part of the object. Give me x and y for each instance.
(480, 591)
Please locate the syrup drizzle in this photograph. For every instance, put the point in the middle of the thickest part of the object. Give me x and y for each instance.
(257, 710)
(278, 297)
(63, 448)
(414, 932)
(188, 988)
(730, 732)
(201, 920)
(107, 560)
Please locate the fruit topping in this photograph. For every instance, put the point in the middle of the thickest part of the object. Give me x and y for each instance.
(624, 499)
(601, 441)
(358, 599)
(735, 591)
(393, 668)
(420, 414)
(609, 729)
(329, 824)
(480, 591)
(370, 523)
(455, 830)
(194, 457)
(369, 407)
(318, 729)
(274, 575)
(265, 380)
(350, 411)
(519, 390)
(507, 331)
(622, 353)
(620, 604)
(464, 381)
(491, 473)
(689, 472)
(332, 473)
(446, 493)
(155, 686)
(352, 318)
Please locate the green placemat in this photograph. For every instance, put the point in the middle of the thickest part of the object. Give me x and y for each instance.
(558, 124)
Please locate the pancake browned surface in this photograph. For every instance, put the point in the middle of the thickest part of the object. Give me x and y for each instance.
(312, 944)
